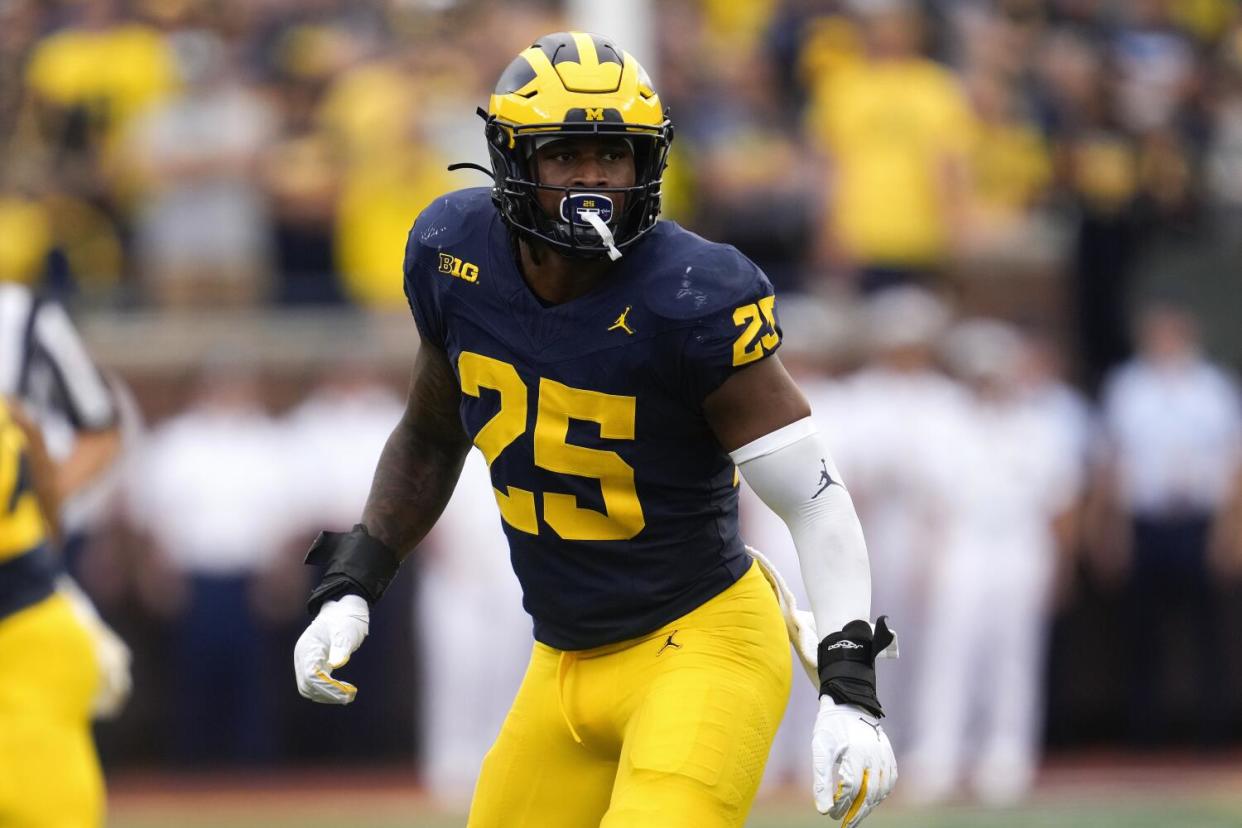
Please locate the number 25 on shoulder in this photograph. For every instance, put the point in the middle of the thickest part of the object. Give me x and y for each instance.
(757, 316)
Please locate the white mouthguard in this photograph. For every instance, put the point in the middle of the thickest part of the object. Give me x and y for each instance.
(604, 233)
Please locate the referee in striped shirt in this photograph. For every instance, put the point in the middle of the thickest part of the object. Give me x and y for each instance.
(45, 366)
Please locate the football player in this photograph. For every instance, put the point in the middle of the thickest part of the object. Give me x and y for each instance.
(49, 678)
(616, 372)
(62, 664)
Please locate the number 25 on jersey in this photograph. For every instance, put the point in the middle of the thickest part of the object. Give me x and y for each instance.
(760, 336)
(557, 404)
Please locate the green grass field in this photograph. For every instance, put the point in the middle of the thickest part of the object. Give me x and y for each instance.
(1167, 795)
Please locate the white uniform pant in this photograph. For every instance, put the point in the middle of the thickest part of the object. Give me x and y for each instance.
(475, 640)
(980, 685)
(897, 546)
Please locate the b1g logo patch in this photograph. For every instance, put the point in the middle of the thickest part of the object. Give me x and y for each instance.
(575, 207)
(454, 266)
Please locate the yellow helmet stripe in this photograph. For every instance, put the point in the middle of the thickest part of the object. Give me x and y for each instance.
(588, 58)
(537, 59)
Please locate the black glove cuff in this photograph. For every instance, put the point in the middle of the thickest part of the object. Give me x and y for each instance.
(847, 664)
(354, 563)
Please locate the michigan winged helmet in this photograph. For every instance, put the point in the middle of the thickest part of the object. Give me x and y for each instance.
(570, 84)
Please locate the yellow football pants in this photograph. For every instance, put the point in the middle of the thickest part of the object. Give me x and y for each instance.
(672, 729)
(49, 772)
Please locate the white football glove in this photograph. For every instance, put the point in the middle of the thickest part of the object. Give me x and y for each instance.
(116, 679)
(326, 645)
(112, 656)
(852, 762)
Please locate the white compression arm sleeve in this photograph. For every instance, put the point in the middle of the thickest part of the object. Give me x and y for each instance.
(792, 472)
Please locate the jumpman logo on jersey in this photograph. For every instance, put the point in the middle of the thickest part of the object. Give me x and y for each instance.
(621, 323)
(670, 643)
(825, 479)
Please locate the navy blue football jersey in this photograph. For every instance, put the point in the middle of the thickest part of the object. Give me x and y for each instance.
(619, 504)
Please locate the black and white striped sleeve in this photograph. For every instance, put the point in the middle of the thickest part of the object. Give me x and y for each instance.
(88, 400)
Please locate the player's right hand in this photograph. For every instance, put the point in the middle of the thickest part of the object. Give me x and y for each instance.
(326, 645)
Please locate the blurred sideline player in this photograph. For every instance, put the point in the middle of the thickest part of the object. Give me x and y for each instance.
(1015, 478)
(616, 372)
(45, 370)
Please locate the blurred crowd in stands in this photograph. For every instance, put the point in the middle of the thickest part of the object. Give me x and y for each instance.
(909, 174)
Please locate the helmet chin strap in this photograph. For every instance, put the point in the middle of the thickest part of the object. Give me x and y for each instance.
(604, 233)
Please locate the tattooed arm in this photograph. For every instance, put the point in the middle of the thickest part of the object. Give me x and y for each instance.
(415, 477)
(422, 459)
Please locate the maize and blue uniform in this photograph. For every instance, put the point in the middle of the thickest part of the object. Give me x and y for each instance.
(49, 772)
(661, 664)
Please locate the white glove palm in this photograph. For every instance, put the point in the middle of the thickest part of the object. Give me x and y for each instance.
(326, 645)
(852, 762)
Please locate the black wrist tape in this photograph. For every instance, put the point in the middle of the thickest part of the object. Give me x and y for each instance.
(847, 664)
(354, 563)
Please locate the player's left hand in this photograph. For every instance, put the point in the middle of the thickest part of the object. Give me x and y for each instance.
(327, 644)
(852, 762)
